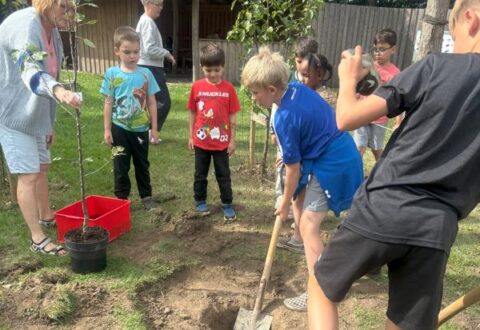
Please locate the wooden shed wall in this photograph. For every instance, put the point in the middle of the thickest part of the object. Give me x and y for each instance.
(110, 14)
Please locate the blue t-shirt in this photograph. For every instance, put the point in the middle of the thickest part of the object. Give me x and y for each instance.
(130, 91)
(304, 124)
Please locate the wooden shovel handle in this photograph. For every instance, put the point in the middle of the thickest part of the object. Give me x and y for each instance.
(470, 298)
(266, 269)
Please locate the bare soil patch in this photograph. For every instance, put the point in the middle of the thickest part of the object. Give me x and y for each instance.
(205, 295)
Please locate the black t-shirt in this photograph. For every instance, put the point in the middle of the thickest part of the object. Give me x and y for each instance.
(429, 174)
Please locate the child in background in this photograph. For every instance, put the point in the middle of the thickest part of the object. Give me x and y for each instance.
(315, 72)
(129, 108)
(406, 214)
(323, 169)
(302, 48)
(373, 134)
(213, 104)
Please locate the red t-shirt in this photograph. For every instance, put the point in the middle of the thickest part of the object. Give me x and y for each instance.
(213, 105)
(386, 72)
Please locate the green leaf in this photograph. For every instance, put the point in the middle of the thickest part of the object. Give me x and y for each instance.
(88, 43)
(91, 22)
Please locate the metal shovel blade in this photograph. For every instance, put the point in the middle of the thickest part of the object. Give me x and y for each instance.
(244, 321)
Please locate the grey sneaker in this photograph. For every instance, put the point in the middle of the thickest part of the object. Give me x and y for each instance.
(298, 304)
(149, 204)
(291, 244)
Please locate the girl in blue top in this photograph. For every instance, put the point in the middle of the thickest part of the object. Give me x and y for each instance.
(323, 166)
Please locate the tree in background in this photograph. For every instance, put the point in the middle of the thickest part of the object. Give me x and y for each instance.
(9, 6)
(433, 26)
(264, 21)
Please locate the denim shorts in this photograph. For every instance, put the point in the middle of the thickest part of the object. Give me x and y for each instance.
(371, 136)
(24, 153)
(315, 198)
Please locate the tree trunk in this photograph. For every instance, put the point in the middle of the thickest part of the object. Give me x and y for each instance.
(433, 26)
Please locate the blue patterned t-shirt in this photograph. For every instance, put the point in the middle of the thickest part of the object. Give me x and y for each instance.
(130, 91)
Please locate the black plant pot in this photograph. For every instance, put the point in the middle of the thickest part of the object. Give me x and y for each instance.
(88, 251)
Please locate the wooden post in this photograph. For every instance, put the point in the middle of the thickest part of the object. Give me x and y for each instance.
(433, 26)
(175, 33)
(195, 39)
(261, 119)
(251, 144)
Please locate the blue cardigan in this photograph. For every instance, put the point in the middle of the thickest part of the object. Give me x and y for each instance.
(26, 89)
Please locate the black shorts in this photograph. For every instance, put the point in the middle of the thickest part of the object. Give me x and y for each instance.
(415, 275)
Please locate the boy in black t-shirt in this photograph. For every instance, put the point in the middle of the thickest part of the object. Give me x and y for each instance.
(406, 214)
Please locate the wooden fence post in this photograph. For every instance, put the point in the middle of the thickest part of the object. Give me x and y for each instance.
(251, 144)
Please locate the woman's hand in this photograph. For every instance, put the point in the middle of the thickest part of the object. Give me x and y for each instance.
(67, 97)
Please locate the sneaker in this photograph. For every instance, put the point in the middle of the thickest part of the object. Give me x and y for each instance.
(149, 204)
(228, 212)
(202, 208)
(291, 244)
(298, 304)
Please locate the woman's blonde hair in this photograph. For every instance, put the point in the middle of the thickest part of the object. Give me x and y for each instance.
(265, 69)
(459, 7)
(42, 6)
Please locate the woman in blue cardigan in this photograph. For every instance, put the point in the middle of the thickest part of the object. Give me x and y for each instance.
(30, 62)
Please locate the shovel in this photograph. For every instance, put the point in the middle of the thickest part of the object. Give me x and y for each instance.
(470, 298)
(247, 320)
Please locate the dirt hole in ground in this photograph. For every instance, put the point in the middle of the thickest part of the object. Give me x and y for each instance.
(219, 317)
(190, 224)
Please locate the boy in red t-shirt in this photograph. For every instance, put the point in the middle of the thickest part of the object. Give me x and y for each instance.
(373, 134)
(213, 104)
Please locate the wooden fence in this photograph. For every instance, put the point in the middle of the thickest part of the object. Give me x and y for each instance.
(109, 15)
(339, 27)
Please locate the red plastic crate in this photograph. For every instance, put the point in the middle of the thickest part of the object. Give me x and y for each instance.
(109, 213)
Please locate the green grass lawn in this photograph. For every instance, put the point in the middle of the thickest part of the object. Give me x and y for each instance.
(172, 174)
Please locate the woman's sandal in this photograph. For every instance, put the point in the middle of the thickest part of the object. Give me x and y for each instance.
(40, 247)
(47, 222)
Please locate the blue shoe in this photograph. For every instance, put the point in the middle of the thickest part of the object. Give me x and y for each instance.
(202, 208)
(228, 212)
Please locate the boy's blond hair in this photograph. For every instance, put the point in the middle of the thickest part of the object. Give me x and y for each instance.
(266, 69)
(155, 2)
(125, 33)
(42, 6)
(459, 7)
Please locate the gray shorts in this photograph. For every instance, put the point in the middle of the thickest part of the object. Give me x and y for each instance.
(24, 153)
(315, 198)
(371, 136)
